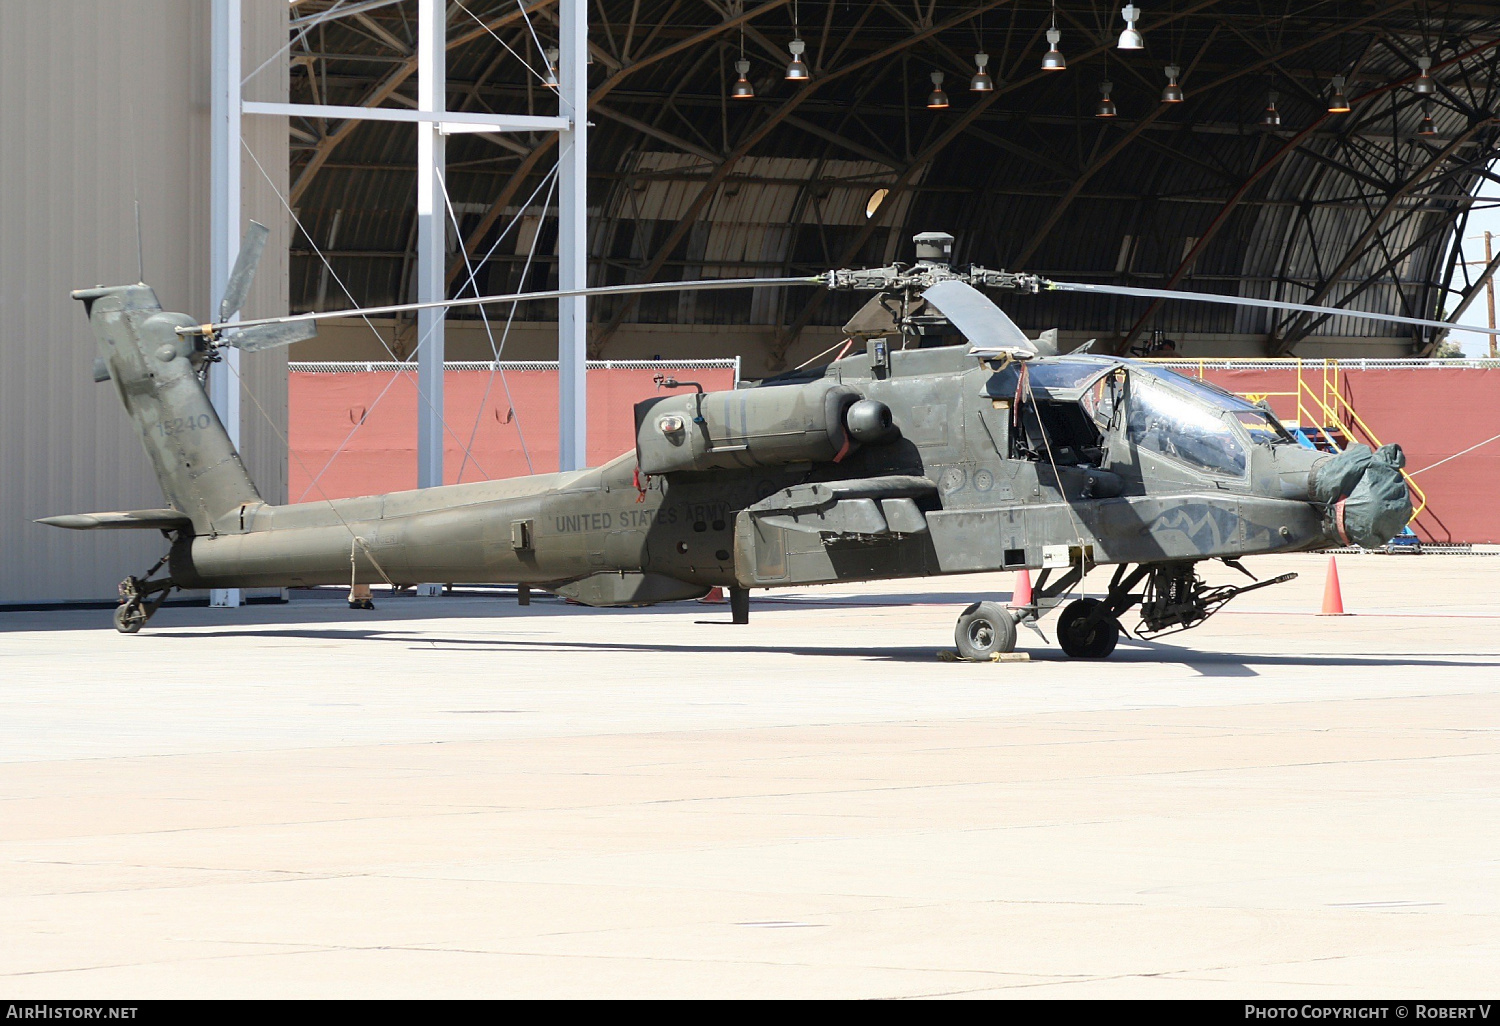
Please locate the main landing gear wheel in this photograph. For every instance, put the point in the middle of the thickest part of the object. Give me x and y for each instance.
(1082, 642)
(984, 629)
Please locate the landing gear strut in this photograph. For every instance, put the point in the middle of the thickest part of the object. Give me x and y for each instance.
(140, 597)
(1174, 598)
(739, 605)
(1089, 628)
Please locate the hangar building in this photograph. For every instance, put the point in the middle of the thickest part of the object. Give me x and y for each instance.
(1254, 183)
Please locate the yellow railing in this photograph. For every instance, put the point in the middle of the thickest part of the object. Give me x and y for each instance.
(1321, 402)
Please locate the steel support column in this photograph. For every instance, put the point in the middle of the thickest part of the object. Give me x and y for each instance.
(572, 236)
(431, 239)
(225, 27)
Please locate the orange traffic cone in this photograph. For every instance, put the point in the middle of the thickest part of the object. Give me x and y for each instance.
(1021, 595)
(1333, 598)
(714, 595)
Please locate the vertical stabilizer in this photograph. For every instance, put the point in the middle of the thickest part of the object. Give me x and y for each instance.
(156, 372)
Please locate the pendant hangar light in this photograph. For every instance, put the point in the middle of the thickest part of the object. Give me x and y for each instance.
(1338, 103)
(1426, 127)
(552, 54)
(1052, 60)
(1131, 39)
(981, 82)
(1173, 92)
(741, 89)
(937, 99)
(796, 71)
(1424, 85)
(1271, 117)
(1106, 108)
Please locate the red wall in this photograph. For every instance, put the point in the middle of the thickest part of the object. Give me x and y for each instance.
(1432, 413)
(380, 455)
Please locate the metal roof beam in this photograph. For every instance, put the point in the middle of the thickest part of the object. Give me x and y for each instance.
(755, 136)
(513, 184)
(680, 143)
(1220, 219)
(386, 87)
(857, 149)
(1302, 324)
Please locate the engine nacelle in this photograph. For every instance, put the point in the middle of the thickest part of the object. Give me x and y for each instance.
(748, 427)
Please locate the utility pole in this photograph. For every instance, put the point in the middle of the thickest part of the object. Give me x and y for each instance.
(1490, 266)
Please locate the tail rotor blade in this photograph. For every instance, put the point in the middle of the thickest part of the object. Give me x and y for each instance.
(243, 273)
(269, 336)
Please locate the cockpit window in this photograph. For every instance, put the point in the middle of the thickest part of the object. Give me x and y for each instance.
(1205, 390)
(1045, 374)
(1263, 427)
(1099, 401)
(1170, 423)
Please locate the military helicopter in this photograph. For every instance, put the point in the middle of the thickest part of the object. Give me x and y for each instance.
(904, 459)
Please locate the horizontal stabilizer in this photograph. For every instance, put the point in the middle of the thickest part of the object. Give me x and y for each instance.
(152, 519)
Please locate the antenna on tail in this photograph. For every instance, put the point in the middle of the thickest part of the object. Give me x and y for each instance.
(140, 252)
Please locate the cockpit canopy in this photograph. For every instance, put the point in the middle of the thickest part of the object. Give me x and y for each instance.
(1065, 406)
(1069, 406)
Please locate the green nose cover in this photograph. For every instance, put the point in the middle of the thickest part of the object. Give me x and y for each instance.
(1364, 493)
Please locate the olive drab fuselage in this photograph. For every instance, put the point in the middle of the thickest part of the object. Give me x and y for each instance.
(950, 491)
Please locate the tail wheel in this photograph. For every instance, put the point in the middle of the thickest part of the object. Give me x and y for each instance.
(130, 617)
(984, 629)
(1082, 642)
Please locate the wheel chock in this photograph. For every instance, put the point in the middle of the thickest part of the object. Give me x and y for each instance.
(949, 656)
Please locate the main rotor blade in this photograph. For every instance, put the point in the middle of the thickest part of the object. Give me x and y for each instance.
(1269, 304)
(517, 297)
(983, 323)
(269, 336)
(243, 273)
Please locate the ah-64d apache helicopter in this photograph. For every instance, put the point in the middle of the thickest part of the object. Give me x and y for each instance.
(902, 460)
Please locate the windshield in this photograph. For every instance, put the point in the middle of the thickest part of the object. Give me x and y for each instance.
(1262, 426)
(1167, 422)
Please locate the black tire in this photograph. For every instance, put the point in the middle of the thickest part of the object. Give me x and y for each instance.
(129, 617)
(1097, 643)
(984, 629)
